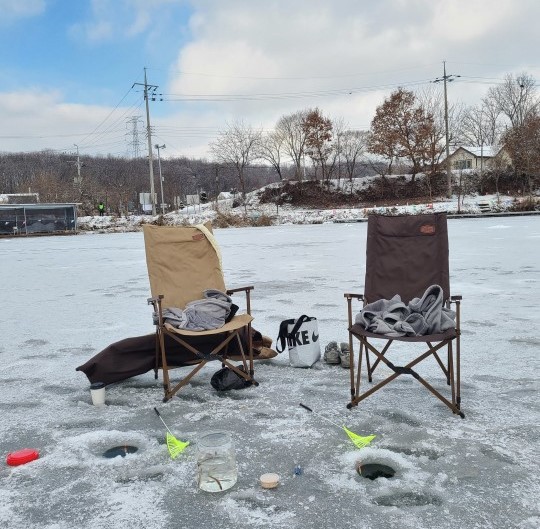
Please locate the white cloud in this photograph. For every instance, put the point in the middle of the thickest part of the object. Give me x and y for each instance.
(33, 120)
(307, 48)
(110, 19)
(12, 10)
(344, 56)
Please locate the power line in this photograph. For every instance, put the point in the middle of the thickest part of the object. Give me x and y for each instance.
(300, 78)
(286, 95)
(110, 113)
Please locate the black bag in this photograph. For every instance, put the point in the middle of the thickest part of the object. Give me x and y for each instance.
(226, 379)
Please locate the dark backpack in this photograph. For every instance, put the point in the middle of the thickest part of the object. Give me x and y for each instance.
(226, 379)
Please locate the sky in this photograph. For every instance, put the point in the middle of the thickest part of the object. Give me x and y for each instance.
(72, 72)
(81, 293)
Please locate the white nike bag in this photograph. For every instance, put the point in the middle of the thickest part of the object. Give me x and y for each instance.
(302, 339)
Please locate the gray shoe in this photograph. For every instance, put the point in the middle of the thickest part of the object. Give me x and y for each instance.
(345, 355)
(331, 353)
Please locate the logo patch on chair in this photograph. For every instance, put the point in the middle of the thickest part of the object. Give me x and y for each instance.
(427, 229)
(198, 237)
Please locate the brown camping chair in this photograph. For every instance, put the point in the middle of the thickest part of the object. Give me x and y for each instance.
(405, 255)
(182, 263)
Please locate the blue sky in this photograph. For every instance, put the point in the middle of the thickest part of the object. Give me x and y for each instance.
(67, 66)
(93, 57)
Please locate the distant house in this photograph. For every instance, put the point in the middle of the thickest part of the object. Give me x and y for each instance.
(479, 158)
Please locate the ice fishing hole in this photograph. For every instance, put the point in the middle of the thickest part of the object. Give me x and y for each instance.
(375, 470)
(122, 451)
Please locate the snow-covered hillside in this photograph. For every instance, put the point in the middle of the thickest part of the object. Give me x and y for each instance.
(287, 214)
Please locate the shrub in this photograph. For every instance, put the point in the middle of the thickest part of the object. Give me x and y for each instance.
(525, 204)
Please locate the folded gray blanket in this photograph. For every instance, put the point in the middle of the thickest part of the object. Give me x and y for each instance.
(201, 314)
(422, 316)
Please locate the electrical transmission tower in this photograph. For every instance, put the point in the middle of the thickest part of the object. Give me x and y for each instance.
(133, 124)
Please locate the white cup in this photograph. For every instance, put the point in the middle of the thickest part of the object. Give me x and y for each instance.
(97, 391)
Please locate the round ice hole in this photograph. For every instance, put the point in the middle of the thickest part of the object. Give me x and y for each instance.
(119, 451)
(375, 470)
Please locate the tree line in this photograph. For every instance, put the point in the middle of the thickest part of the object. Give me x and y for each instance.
(407, 135)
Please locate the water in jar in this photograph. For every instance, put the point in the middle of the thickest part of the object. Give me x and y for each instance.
(216, 462)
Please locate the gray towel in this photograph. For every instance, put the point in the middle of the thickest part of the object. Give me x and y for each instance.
(422, 316)
(202, 314)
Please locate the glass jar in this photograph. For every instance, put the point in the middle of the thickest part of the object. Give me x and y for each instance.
(216, 462)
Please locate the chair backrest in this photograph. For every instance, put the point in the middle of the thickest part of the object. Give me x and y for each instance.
(406, 254)
(182, 263)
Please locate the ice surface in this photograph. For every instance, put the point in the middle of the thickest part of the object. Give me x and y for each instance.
(66, 298)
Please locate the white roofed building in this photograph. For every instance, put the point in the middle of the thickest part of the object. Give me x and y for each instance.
(479, 158)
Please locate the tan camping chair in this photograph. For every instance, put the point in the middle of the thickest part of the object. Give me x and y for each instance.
(405, 255)
(183, 263)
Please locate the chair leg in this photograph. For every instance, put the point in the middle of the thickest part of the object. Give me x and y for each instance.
(351, 364)
(444, 369)
(220, 349)
(164, 364)
(169, 393)
(451, 372)
(156, 363)
(448, 361)
(250, 351)
(458, 373)
(451, 405)
(368, 366)
(382, 353)
(400, 370)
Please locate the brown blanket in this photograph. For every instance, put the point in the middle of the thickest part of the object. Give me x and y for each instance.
(137, 355)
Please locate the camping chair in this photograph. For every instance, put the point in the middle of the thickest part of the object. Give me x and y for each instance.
(406, 255)
(183, 263)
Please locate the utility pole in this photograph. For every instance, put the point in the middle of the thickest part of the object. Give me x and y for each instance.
(158, 147)
(447, 78)
(149, 88)
(77, 180)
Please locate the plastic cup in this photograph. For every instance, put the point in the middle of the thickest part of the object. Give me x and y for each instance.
(97, 391)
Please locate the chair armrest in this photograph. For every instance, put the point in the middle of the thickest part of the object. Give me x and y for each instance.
(356, 296)
(157, 315)
(154, 300)
(456, 298)
(247, 290)
(240, 289)
(349, 297)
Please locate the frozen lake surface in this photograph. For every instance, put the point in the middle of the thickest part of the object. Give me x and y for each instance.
(66, 298)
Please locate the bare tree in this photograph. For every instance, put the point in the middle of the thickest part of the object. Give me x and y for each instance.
(294, 138)
(523, 144)
(516, 98)
(334, 160)
(353, 144)
(237, 146)
(481, 124)
(270, 149)
(432, 100)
